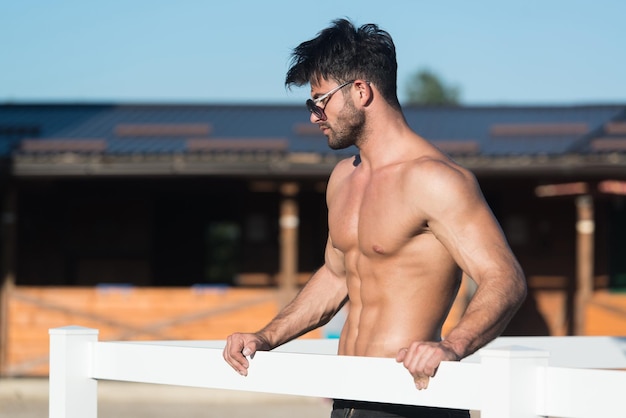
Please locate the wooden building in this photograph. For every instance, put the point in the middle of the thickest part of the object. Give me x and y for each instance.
(192, 221)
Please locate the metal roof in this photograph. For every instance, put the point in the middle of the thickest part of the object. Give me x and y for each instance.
(212, 139)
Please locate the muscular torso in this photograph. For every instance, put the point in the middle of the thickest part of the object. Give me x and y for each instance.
(401, 280)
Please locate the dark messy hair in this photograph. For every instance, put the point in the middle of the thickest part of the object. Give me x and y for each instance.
(342, 53)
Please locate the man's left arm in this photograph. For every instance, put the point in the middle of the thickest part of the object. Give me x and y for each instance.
(461, 220)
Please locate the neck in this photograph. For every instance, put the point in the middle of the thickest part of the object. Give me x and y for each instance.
(386, 139)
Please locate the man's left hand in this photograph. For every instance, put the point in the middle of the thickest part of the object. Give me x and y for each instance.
(422, 358)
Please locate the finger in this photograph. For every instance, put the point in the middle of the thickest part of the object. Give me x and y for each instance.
(234, 356)
(401, 354)
(429, 363)
(413, 357)
(249, 350)
(432, 371)
(426, 360)
(236, 361)
(419, 362)
(421, 382)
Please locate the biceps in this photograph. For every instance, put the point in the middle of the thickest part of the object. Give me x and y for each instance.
(334, 261)
(479, 246)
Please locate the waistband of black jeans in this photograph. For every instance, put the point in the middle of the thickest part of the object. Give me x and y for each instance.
(398, 409)
(374, 406)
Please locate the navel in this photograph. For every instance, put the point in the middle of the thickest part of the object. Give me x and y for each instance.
(378, 249)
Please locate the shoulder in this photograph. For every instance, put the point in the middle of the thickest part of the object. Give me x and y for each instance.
(342, 170)
(436, 173)
(439, 186)
(346, 166)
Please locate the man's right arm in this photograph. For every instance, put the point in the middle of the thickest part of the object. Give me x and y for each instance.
(318, 301)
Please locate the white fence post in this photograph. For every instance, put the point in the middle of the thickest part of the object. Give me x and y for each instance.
(73, 393)
(510, 381)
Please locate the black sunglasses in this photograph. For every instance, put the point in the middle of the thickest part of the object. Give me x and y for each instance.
(312, 104)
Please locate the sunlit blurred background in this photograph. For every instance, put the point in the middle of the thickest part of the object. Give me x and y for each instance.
(158, 181)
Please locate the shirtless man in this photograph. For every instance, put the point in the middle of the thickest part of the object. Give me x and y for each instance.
(404, 222)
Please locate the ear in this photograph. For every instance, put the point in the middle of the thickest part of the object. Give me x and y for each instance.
(365, 92)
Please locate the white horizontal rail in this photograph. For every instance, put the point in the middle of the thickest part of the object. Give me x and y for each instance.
(327, 376)
(582, 393)
(573, 351)
(507, 380)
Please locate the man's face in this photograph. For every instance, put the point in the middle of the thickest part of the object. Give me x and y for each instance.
(343, 122)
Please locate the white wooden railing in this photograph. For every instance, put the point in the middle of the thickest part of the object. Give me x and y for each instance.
(513, 377)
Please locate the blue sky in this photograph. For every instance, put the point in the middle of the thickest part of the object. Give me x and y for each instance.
(134, 51)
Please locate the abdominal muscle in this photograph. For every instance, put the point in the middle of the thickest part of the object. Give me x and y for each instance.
(392, 303)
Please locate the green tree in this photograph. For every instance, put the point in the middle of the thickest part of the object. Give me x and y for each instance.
(426, 88)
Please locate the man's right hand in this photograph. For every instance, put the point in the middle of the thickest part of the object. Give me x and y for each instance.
(239, 346)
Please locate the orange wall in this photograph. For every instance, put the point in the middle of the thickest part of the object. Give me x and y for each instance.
(129, 314)
(140, 313)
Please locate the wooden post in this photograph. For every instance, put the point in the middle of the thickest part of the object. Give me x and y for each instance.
(585, 227)
(289, 222)
(8, 271)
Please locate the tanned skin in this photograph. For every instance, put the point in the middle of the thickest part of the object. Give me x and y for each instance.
(404, 222)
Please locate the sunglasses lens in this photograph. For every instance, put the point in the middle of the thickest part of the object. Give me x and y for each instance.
(315, 109)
